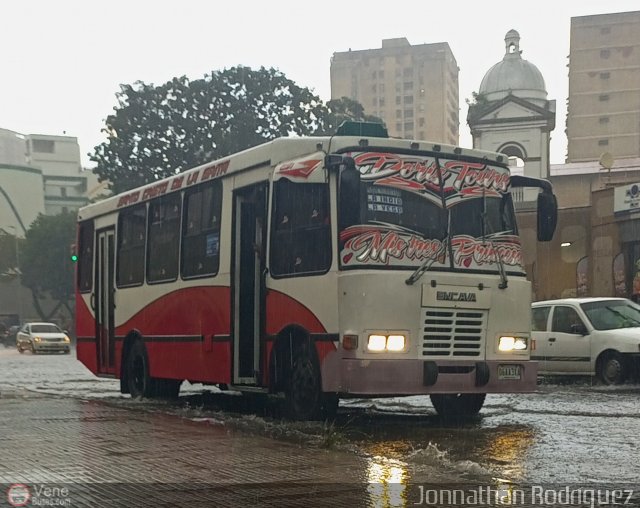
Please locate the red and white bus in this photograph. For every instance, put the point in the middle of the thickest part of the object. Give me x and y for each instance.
(316, 268)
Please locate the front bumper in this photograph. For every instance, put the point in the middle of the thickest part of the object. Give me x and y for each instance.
(415, 377)
(51, 347)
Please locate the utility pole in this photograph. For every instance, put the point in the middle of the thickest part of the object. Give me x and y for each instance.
(18, 271)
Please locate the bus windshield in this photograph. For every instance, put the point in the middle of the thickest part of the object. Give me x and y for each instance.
(407, 218)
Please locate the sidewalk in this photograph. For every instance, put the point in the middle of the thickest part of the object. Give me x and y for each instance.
(108, 456)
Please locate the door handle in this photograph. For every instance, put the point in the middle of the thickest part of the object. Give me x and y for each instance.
(552, 339)
(92, 301)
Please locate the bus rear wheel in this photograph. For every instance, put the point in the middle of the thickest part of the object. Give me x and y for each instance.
(458, 405)
(304, 397)
(139, 381)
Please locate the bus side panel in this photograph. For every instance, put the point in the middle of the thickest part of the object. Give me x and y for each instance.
(85, 335)
(186, 333)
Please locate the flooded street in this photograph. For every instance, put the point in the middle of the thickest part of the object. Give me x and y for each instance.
(566, 433)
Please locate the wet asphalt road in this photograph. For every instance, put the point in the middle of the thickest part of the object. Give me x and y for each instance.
(567, 433)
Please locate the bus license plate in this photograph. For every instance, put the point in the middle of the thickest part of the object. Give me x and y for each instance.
(509, 372)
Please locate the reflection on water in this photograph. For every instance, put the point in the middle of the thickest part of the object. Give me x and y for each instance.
(507, 449)
(387, 480)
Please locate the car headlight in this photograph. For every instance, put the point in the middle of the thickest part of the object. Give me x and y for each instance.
(394, 343)
(510, 343)
(36, 339)
(67, 339)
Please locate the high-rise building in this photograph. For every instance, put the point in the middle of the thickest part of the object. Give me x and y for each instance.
(604, 87)
(414, 89)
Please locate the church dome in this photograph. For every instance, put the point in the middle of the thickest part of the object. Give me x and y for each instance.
(513, 75)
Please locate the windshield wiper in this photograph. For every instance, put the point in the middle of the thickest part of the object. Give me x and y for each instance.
(426, 264)
(625, 319)
(487, 227)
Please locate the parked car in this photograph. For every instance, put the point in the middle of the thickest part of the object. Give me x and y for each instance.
(42, 338)
(587, 336)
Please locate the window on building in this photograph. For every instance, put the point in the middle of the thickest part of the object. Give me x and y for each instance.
(381, 88)
(603, 142)
(131, 240)
(381, 101)
(603, 97)
(85, 256)
(381, 74)
(408, 72)
(63, 192)
(164, 238)
(408, 99)
(605, 75)
(603, 119)
(301, 229)
(605, 53)
(421, 122)
(408, 113)
(408, 85)
(43, 145)
(398, 113)
(398, 100)
(408, 126)
(605, 30)
(201, 230)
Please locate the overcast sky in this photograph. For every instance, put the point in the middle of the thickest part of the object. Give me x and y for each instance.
(62, 61)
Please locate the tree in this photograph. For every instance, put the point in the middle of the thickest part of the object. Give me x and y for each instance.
(45, 262)
(157, 131)
(340, 110)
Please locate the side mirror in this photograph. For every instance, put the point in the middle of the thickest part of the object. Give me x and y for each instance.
(579, 329)
(349, 193)
(547, 216)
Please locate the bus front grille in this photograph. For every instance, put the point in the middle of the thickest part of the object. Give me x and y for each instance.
(456, 333)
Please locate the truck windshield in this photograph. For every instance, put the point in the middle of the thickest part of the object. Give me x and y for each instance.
(407, 219)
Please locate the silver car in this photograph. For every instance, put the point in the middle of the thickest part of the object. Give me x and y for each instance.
(42, 338)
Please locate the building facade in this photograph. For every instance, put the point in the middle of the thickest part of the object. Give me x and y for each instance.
(414, 89)
(40, 174)
(604, 87)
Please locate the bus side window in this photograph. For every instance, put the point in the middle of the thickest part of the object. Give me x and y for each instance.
(131, 238)
(201, 230)
(164, 238)
(301, 229)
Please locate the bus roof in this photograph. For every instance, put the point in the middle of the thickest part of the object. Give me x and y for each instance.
(272, 153)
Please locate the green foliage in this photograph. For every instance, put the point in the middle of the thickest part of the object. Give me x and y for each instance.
(44, 256)
(340, 110)
(8, 261)
(157, 131)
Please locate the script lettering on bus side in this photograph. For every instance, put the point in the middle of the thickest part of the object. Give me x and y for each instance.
(215, 170)
(155, 190)
(374, 244)
(467, 249)
(128, 199)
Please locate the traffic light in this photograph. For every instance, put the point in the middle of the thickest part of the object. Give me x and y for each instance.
(73, 254)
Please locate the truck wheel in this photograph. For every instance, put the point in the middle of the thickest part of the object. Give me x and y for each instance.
(137, 364)
(612, 369)
(304, 397)
(458, 406)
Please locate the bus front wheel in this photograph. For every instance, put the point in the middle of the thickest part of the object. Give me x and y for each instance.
(458, 405)
(139, 381)
(304, 396)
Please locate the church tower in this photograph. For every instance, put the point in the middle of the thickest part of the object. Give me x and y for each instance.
(511, 114)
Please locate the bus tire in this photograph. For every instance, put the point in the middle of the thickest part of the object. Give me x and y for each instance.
(304, 397)
(458, 405)
(139, 381)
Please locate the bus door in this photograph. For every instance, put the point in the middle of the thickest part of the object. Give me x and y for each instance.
(104, 300)
(249, 244)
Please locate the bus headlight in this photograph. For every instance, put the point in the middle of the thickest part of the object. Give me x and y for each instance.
(377, 342)
(510, 343)
(394, 343)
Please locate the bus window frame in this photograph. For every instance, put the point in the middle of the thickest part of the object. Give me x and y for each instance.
(81, 258)
(188, 193)
(158, 201)
(118, 224)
